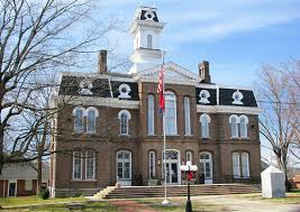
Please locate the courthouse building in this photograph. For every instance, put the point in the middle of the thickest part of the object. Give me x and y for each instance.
(111, 130)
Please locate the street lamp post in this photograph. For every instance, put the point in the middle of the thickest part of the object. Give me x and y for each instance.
(188, 169)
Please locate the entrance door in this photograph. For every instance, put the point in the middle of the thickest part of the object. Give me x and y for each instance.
(206, 167)
(124, 168)
(172, 167)
(12, 189)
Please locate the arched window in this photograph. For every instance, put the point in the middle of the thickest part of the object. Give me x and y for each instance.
(187, 116)
(240, 165)
(124, 117)
(92, 114)
(189, 156)
(77, 166)
(90, 165)
(151, 115)
(234, 121)
(170, 113)
(244, 126)
(206, 167)
(204, 120)
(152, 160)
(149, 41)
(78, 114)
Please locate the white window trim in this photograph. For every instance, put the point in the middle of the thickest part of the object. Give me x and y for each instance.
(237, 126)
(189, 152)
(124, 95)
(240, 161)
(150, 114)
(74, 115)
(210, 161)
(175, 109)
(16, 188)
(154, 164)
(149, 41)
(94, 166)
(127, 124)
(248, 165)
(246, 126)
(207, 117)
(187, 116)
(73, 169)
(121, 160)
(25, 188)
(238, 175)
(87, 117)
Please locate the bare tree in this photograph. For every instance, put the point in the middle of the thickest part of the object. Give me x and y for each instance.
(36, 37)
(277, 122)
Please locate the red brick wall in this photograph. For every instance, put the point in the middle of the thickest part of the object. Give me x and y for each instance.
(107, 141)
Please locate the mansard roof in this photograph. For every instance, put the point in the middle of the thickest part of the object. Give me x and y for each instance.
(108, 85)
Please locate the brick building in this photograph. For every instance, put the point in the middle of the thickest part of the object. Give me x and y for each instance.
(111, 129)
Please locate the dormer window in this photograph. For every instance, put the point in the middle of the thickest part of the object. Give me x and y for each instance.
(85, 87)
(149, 41)
(237, 98)
(204, 95)
(149, 15)
(124, 91)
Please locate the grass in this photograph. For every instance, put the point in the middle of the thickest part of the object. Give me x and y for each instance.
(29, 200)
(178, 205)
(88, 207)
(291, 198)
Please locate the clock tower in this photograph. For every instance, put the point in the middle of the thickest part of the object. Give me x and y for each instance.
(145, 29)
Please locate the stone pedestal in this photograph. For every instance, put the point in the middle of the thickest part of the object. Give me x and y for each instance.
(273, 183)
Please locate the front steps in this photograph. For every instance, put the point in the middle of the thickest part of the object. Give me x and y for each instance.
(174, 190)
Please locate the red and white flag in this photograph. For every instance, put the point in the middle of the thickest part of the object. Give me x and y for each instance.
(161, 90)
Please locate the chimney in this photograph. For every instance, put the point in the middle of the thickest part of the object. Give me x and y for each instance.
(204, 72)
(102, 61)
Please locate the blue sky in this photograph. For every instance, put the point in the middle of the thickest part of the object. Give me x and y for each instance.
(235, 36)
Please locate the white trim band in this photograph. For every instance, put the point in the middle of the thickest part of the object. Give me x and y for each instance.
(102, 101)
(228, 109)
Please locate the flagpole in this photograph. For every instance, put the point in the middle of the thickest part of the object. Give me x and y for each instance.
(165, 202)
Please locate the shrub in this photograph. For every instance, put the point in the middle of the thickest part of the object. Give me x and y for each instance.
(44, 194)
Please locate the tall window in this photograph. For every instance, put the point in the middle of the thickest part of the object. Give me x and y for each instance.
(92, 113)
(150, 115)
(90, 165)
(149, 41)
(188, 156)
(236, 165)
(78, 114)
(124, 117)
(170, 113)
(243, 126)
(187, 116)
(233, 121)
(77, 166)
(240, 164)
(204, 120)
(245, 164)
(151, 164)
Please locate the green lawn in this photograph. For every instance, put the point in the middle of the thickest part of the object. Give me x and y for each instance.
(57, 205)
(29, 200)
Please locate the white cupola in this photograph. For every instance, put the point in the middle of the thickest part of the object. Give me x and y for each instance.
(145, 29)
